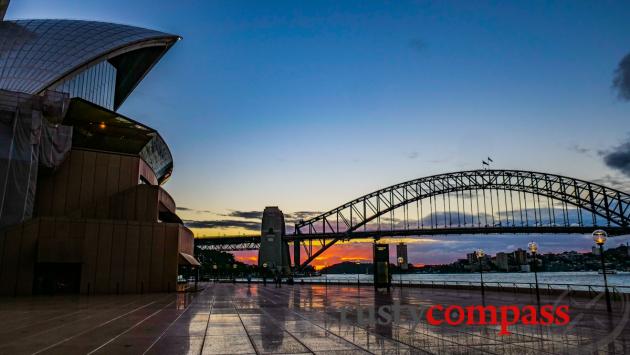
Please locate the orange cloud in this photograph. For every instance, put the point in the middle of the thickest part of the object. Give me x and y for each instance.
(343, 252)
(356, 258)
(247, 257)
(336, 254)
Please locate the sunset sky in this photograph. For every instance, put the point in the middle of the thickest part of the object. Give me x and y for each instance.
(307, 105)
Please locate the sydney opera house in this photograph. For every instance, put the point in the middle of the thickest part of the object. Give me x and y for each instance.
(82, 208)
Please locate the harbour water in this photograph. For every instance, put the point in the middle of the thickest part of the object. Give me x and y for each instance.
(588, 278)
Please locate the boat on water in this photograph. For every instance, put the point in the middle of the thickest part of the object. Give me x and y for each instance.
(608, 272)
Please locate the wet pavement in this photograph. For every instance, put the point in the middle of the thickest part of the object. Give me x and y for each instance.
(299, 319)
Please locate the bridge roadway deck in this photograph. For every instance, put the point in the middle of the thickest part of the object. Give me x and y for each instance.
(242, 319)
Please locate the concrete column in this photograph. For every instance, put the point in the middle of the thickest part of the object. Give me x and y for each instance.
(296, 254)
(274, 250)
(401, 256)
(381, 265)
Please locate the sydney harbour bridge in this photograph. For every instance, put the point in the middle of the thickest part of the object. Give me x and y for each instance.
(488, 201)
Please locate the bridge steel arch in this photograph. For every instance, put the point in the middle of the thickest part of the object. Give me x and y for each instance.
(352, 218)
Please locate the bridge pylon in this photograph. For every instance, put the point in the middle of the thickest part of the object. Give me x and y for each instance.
(274, 249)
(296, 254)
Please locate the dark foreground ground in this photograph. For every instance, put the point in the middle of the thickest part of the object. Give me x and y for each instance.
(242, 319)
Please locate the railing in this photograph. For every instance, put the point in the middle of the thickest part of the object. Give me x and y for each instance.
(617, 291)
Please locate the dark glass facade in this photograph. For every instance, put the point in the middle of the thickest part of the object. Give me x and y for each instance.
(96, 84)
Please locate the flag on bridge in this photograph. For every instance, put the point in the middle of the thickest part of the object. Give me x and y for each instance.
(490, 160)
(483, 162)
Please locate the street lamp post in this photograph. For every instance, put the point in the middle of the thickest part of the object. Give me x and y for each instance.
(196, 278)
(533, 248)
(401, 260)
(326, 279)
(480, 254)
(599, 237)
(358, 263)
(214, 269)
(264, 274)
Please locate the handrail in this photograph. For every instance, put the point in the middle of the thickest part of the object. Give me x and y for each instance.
(502, 285)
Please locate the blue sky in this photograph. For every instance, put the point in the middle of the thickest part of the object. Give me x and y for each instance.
(306, 105)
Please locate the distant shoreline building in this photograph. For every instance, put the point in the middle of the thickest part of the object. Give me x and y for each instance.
(471, 258)
(520, 256)
(82, 209)
(502, 261)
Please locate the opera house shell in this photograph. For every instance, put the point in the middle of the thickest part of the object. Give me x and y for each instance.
(82, 207)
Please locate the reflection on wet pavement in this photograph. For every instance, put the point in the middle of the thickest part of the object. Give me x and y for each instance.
(254, 319)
